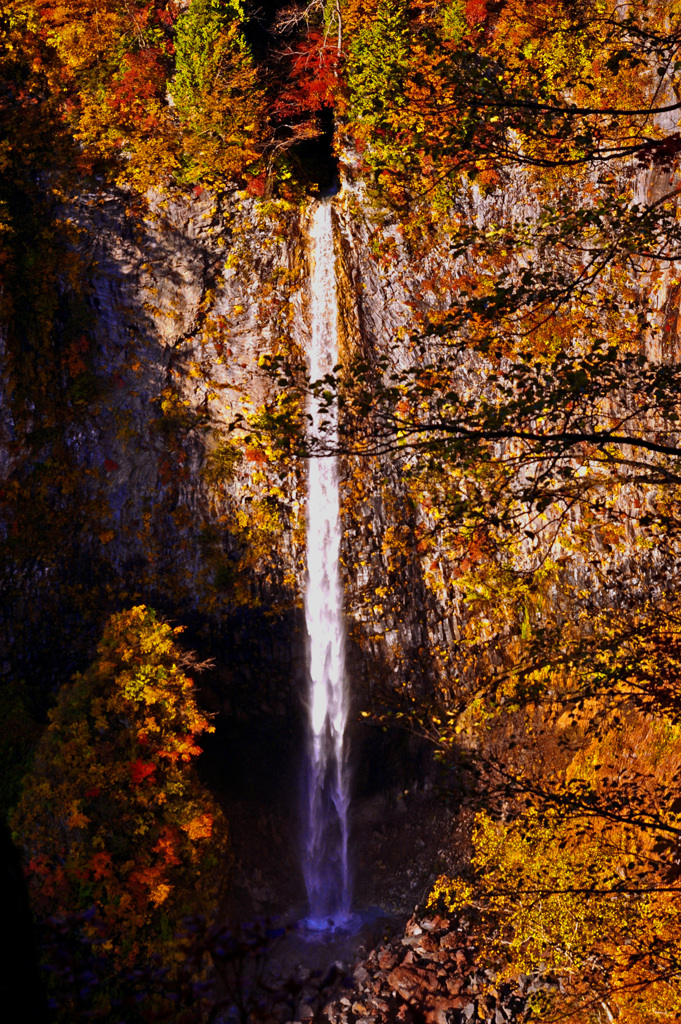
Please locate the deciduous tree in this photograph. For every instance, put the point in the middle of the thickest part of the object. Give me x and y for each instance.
(111, 815)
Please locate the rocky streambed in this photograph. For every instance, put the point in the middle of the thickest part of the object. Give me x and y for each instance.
(434, 972)
(430, 975)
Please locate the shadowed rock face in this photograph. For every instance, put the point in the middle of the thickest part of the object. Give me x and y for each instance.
(21, 988)
(185, 295)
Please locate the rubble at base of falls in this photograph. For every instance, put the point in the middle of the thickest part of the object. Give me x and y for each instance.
(431, 976)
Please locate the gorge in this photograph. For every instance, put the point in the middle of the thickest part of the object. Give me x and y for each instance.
(340, 377)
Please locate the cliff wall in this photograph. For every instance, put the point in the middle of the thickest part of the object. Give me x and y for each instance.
(164, 503)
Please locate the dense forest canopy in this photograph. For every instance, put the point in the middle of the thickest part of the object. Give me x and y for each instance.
(529, 151)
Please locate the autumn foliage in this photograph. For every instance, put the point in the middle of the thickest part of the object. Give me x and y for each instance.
(116, 81)
(580, 896)
(112, 816)
(532, 412)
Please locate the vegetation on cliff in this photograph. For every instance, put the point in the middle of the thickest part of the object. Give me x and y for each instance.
(526, 155)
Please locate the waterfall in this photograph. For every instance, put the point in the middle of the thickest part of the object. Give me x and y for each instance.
(326, 839)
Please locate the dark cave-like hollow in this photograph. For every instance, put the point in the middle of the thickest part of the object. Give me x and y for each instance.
(314, 159)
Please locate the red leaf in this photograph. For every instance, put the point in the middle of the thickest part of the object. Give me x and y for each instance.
(139, 770)
(256, 186)
(476, 11)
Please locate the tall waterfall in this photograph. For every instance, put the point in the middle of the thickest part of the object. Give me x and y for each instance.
(326, 846)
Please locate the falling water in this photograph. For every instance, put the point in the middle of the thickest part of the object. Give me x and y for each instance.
(326, 840)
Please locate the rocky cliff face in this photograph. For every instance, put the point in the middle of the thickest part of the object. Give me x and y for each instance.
(185, 295)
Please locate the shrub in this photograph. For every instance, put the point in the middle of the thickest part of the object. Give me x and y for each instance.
(112, 817)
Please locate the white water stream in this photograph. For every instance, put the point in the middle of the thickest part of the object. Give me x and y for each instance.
(326, 839)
